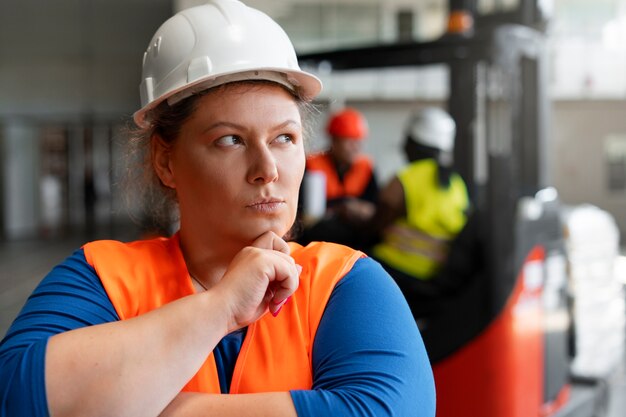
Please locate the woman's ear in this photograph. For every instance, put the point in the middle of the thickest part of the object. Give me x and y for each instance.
(161, 160)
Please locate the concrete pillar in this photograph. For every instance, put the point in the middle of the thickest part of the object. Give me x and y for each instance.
(20, 185)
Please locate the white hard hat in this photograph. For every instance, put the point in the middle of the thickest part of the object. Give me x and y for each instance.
(432, 127)
(215, 43)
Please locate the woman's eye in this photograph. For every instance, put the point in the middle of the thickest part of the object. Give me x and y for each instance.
(284, 139)
(228, 140)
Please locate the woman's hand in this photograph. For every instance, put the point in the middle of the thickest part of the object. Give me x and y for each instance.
(260, 276)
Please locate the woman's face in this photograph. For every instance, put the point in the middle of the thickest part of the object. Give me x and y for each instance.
(238, 163)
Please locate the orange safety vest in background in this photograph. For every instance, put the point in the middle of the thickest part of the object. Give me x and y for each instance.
(354, 181)
(276, 353)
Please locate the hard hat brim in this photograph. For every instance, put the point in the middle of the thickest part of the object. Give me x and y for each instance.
(301, 83)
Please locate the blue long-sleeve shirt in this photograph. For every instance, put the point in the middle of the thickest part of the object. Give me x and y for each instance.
(366, 361)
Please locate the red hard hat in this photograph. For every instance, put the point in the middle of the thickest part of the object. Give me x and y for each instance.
(348, 124)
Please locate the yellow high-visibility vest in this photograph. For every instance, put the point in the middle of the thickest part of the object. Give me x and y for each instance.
(418, 244)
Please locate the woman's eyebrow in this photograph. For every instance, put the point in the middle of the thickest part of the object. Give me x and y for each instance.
(290, 122)
(223, 124)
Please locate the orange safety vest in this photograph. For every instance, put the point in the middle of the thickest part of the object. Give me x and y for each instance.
(144, 275)
(354, 181)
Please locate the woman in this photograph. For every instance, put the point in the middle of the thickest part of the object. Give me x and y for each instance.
(163, 326)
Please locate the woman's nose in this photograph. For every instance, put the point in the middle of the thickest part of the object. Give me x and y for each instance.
(263, 168)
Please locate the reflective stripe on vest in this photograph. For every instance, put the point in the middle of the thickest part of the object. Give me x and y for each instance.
(418, 244)
(355, 181)
(144, 275)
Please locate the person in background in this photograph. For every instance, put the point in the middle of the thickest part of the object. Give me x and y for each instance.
(349, 180)
(421, 210)
(179, 325)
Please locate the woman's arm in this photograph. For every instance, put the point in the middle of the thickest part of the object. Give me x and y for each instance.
(368, 360)
(70, 297)
(267, 404)
(368, 357)
(67, 352)
(137, 366)
(133, 367)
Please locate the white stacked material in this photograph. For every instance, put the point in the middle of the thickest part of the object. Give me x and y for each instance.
(592, 241)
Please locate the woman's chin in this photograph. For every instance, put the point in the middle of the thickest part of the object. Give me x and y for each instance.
(252, 233)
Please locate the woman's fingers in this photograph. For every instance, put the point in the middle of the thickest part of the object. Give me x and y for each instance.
(285, 280)
(283, 286)
(258, 279)
(270, 240)
(289, 285)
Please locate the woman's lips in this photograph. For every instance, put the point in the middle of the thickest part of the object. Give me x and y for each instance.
(267, 206)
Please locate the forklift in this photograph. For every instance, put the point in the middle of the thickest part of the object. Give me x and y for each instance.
(492, 353)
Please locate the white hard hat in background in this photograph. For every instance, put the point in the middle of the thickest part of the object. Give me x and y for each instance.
(432, 127)
(218, 42)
